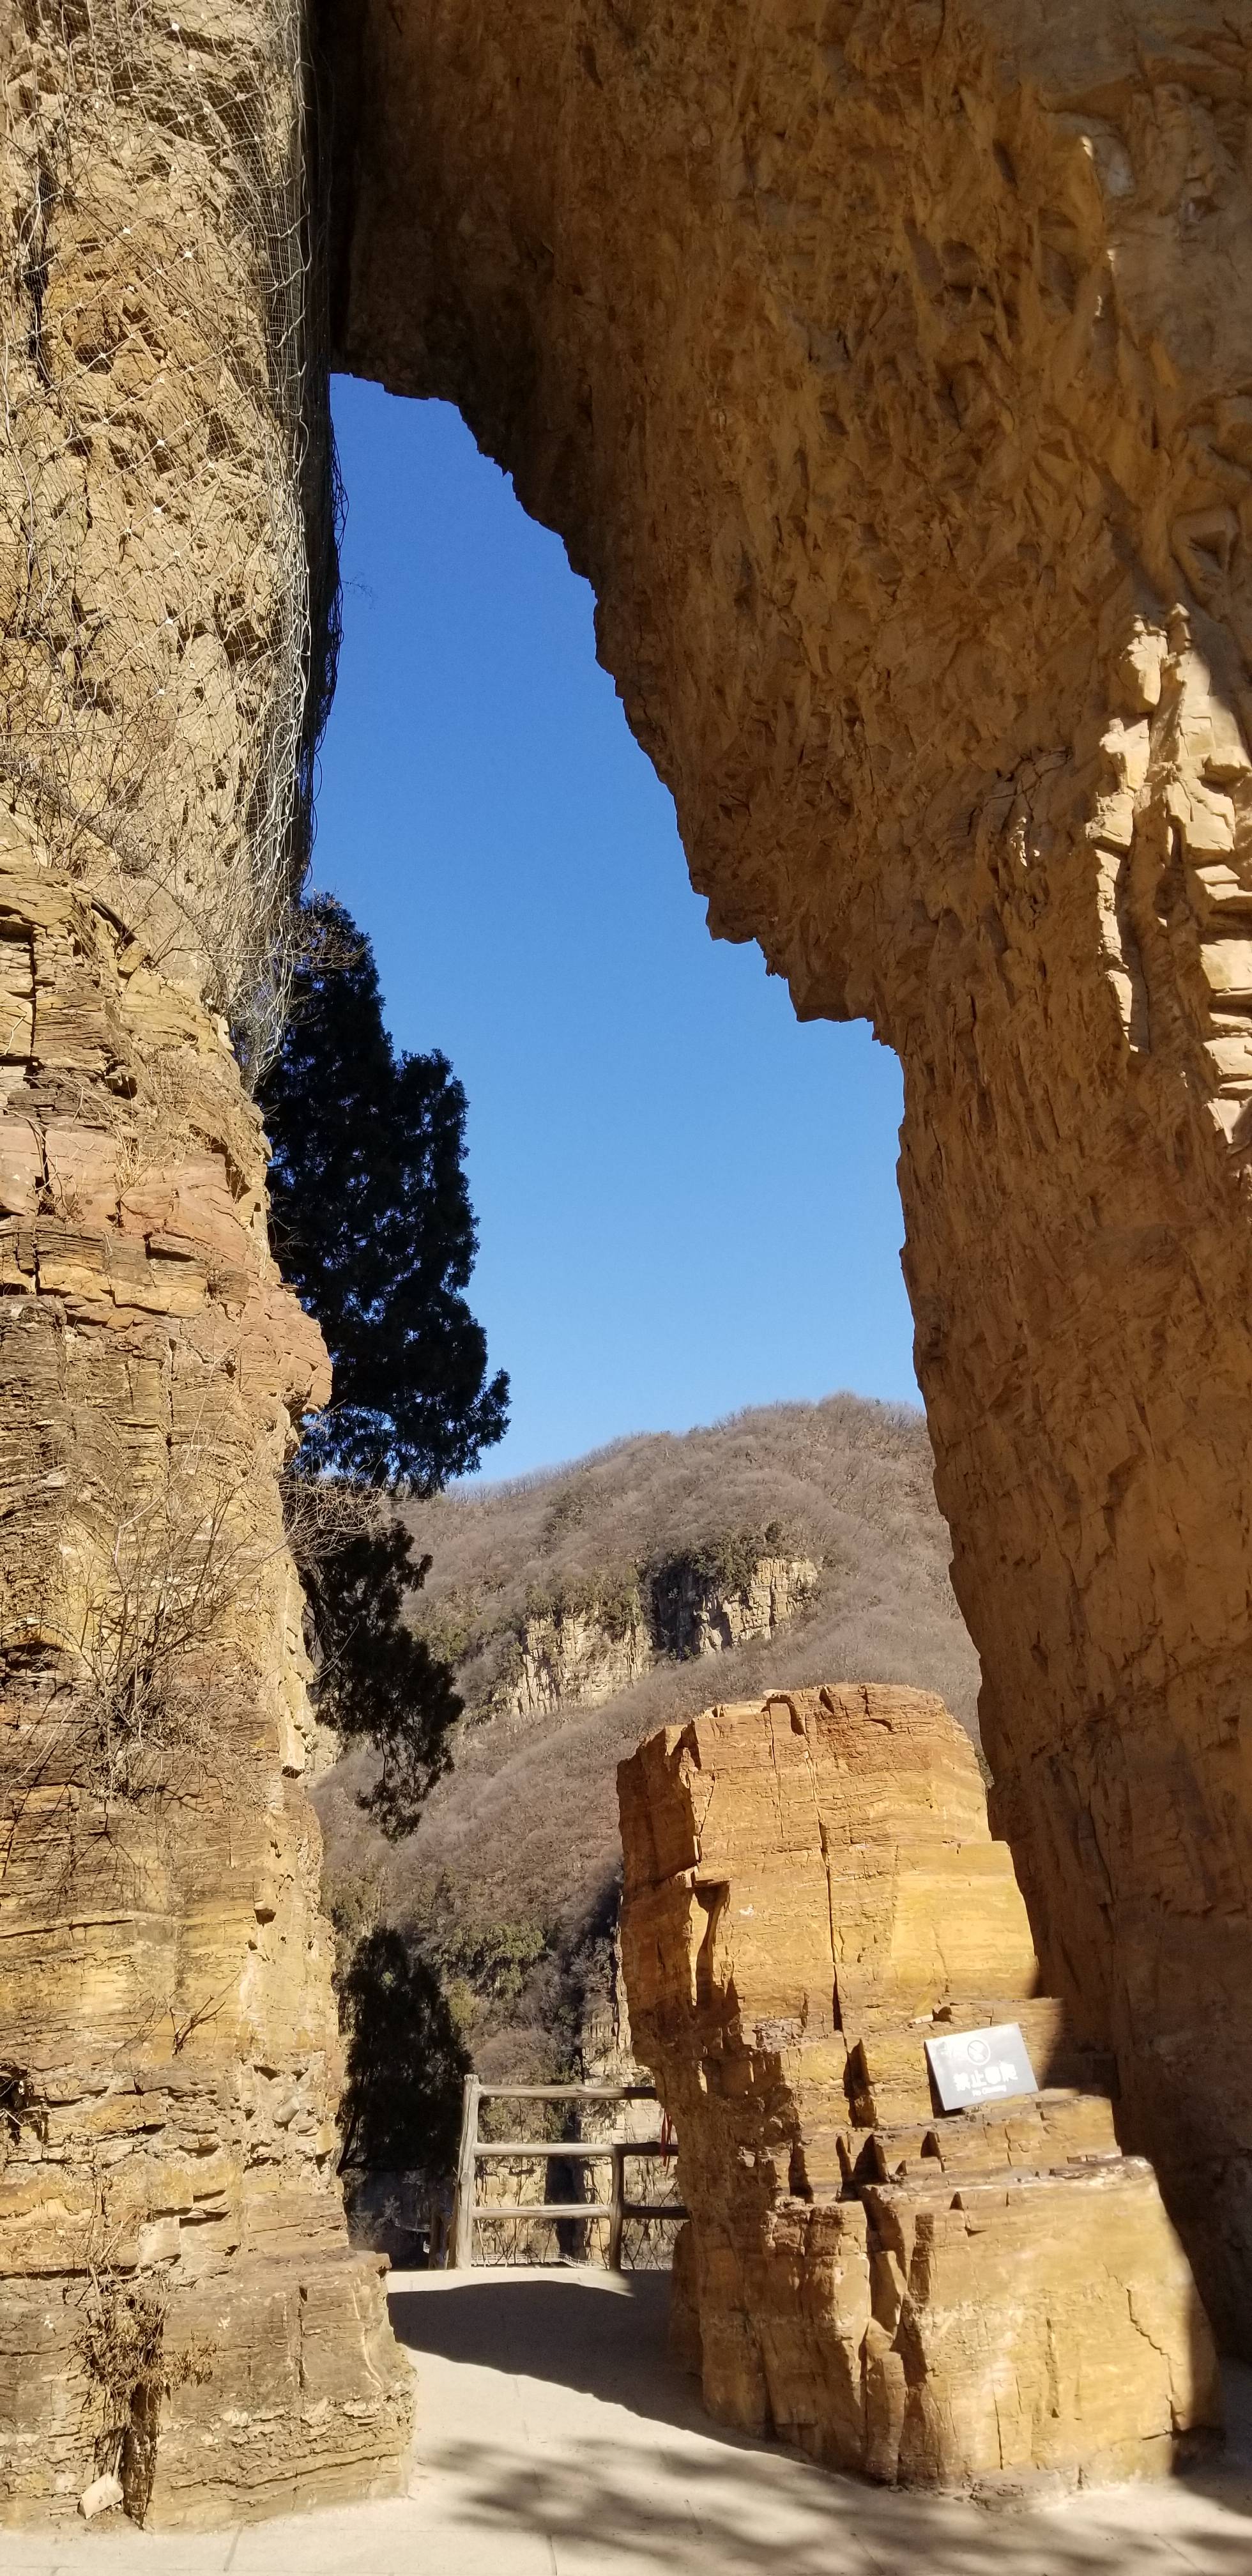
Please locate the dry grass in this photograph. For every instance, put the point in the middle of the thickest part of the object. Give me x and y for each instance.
(518, 1850)
(121, 2345)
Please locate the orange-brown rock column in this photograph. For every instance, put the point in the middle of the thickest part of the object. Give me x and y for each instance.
(1078, 1253)
(170, 2050)
(173, 2256)
(992, 2298)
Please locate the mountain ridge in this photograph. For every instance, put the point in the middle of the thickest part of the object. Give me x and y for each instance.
(508, 1882)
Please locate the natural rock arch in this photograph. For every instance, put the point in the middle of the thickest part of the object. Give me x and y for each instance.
(887, 366)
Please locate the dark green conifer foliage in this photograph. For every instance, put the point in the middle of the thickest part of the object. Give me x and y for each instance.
(373, 1226)
(374, 1229)
(406, 2063)
(377, 1680)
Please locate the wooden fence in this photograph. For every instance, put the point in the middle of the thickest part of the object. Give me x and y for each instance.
(611, 2151)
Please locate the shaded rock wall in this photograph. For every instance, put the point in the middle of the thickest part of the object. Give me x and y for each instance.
(991, 2298)
(177, 2296)
(570, 1658)
(888, 369)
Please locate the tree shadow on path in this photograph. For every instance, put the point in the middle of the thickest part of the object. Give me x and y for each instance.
(748, 2507)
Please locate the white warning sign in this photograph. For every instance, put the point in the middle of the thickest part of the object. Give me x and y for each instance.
(971, 2066)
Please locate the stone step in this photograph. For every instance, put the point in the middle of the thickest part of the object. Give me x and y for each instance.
(888, 2076)
(1046, 2129)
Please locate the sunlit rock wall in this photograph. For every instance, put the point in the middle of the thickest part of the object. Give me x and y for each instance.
(992, 2299)
(177, 2298)
(571, 1654)
(888, 369)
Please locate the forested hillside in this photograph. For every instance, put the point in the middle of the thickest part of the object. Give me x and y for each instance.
(582, 1609)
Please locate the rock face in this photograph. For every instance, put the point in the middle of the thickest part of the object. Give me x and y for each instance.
(163, 545)
(578, 1655)
(986, 2298)
(885, 366)
(697, 1610)
(177, 2299)
(170, 2045)
(571, 1658)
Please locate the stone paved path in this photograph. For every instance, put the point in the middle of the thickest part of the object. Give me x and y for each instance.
(555, 2439)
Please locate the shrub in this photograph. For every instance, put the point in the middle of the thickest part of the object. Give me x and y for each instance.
(133, 1680)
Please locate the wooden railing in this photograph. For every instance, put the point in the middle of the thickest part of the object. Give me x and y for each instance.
(589, 2151)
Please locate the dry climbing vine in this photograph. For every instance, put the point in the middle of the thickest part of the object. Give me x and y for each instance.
(121, 2345)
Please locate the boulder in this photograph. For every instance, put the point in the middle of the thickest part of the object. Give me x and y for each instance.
(991, 2299)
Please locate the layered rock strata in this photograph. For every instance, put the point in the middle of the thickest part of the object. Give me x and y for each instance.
(177, 2298)
(887, 367)
(170, 2052)
(570, 1658)
(699, 1611)
(992, 2298)
(164, 546)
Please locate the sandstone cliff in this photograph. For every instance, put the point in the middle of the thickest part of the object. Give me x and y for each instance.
(579, 1652)
(177, 2297)
(570, 1656)
(885, 365)
(170, 2040)
(701, 1608)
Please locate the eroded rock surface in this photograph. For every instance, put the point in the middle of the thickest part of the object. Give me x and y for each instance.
(991, 2298)
(578, 1654)
(887, 367)
(170, 2043)
(569, 1657)
(177, 2298)
(699, 1610)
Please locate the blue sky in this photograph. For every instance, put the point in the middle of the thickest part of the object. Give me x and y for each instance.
(686, 1202)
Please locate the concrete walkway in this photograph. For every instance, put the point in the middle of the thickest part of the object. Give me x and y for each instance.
(555, 2439)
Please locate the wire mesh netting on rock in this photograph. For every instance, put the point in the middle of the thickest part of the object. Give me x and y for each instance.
(167, 518)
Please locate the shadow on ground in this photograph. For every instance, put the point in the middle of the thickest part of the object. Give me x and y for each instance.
(745, 2506)
(603, 2336)
(737, 2521)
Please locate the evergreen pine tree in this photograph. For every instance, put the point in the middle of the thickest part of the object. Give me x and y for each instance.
(373, 1226)
(378, 1680)
(406, 2062)
(374, 1229)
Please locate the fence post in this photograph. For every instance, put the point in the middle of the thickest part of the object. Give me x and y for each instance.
(463, 2222)
(617, 2208)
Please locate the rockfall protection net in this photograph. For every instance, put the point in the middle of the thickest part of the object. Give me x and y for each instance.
(167, 490)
